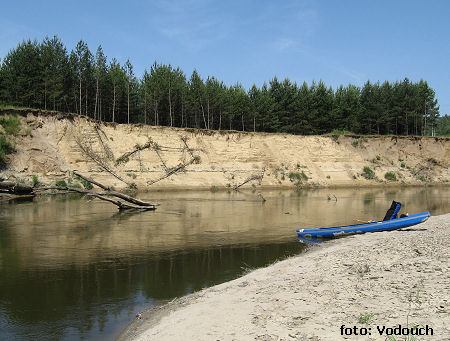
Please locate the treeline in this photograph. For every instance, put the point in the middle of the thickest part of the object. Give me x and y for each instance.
(45, 75)
(443, 126)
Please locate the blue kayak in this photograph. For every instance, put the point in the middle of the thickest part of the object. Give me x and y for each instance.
(376, 226)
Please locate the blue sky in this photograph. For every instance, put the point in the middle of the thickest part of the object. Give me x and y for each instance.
(339, 42)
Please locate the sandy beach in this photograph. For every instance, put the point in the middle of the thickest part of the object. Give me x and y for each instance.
(369, 283)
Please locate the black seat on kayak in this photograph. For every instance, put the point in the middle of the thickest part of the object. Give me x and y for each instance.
(393, 211)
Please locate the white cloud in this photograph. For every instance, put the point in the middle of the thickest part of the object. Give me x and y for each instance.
(194, 24)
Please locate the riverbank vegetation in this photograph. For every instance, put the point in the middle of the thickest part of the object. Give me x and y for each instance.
(9, 127)
(46, 75)
(443, 126)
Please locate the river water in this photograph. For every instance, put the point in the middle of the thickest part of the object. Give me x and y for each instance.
(73, 268)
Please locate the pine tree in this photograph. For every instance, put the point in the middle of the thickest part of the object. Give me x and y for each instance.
(130, 85)
(43, 75)
(117, 78)
(197, 98)
(54, 65)
(100, 74)
(83, 64)
(22, 75)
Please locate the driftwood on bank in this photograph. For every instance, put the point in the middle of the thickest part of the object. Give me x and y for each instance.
(136, 203)
(258, 177)
(13, 190)
(250, 178)
(11, 187)
(105, 196)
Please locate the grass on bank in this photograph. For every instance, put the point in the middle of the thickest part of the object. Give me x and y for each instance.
(366, 318)
(368, 173)
(298, 178)
(6, 148)
(390, 176)
(10, 126)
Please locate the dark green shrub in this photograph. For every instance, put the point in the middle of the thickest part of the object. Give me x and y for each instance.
(390, 176)
(339, 132)
(298, 177)
(35, 180)
(368, 173)
(61, 184)
(86, 184)
(11, 124)
(5, 148)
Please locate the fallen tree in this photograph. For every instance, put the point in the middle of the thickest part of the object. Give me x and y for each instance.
(105, 196)
(11, 187)
(13, 190)
(135, 203)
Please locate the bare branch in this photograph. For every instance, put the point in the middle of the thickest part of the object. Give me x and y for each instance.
(111, 192)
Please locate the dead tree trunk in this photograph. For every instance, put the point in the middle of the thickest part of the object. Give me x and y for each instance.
(15, 188)
(119, 195)
(128, 101)
(80, 97)
(170, 107)
(86, 100)
(114, 102)
(96, 99)
(203, 114)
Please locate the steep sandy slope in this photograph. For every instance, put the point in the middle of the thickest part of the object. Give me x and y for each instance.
(52, 146)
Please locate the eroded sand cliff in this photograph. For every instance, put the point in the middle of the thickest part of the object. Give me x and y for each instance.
(51, 146)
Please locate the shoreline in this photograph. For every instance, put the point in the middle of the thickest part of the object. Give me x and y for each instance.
(381, 185)
(378, 279)
(266, 188)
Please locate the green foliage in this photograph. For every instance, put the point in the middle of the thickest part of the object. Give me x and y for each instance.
(72, 184)
(368, 173)
(421, 177)
(298, 177)
(46, 75)
(5, 148)
(443, 126)
(132, 175)
(402, 164)
(86, 184)
(61, 184)
(390, 176)
(366, 318)
(336, 133)
(10, 124)
(340, 132)
(35, 180)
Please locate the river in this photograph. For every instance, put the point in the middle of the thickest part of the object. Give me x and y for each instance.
(73, 268)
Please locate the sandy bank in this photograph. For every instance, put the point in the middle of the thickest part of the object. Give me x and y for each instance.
(120, 155)
(381, 279)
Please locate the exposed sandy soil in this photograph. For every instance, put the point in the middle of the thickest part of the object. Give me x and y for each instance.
(400, 277)
(51, 146)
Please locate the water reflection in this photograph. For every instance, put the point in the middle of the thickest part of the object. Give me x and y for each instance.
(90, 300)
(72, 268)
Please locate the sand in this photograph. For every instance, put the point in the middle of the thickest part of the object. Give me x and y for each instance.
(52, 146)
(379, 279)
